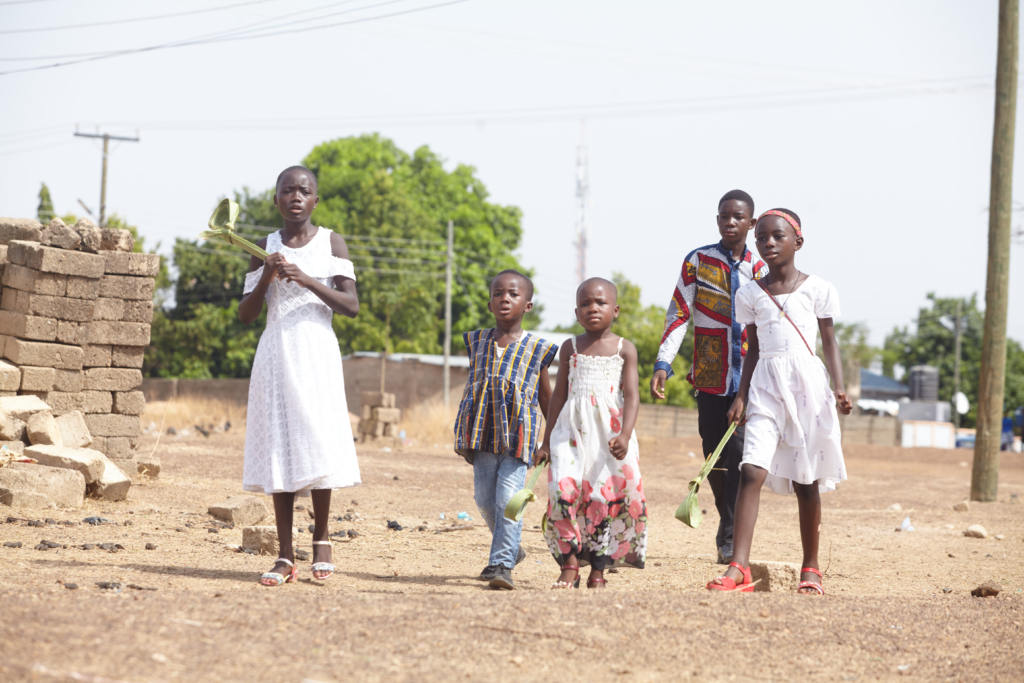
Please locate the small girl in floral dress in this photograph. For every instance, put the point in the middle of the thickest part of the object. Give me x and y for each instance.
(596, 510)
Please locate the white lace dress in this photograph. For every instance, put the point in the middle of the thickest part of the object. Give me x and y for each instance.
(298, 435)
(792, 424)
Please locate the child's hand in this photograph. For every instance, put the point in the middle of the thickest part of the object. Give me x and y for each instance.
(271, 266)
(290, 272)
(658, 384)
(844, 403)
(619, 446)
(542, 455)
(735, 413)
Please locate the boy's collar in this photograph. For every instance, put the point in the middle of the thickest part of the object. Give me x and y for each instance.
(728, 252)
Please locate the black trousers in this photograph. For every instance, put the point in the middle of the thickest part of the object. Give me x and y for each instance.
(712, 423)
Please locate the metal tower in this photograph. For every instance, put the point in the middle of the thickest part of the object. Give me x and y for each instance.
(582, 205)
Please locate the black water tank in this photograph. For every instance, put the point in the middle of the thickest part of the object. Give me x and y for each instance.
(924, 383)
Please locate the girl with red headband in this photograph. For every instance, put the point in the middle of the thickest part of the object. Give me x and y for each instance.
(792, 440)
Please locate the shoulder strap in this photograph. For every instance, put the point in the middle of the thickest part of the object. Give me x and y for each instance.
(574, 350)
(618, 350)
(761, 283)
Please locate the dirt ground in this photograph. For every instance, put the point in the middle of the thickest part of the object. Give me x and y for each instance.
(404, 605)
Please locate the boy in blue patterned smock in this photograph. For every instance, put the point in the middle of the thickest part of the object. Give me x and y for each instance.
(499, 419)
(707, 286)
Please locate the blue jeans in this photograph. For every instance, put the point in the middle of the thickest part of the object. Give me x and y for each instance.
(496, 478)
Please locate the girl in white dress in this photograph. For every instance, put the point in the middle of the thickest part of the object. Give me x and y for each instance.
(596, 509)
(298, 436)
(792, 438)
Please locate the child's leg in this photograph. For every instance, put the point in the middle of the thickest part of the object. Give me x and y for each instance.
(321, 526)
(284, 504)
(505, 542)
(485, 478)
(809, 502)
(747, 503)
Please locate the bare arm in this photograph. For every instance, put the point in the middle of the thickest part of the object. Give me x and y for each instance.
(556, 401)
(251, 305)
(544, 386)
(343, 297)
(619, 445)
(739, 404)
(830, 347)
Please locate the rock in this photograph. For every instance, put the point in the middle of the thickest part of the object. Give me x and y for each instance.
(895, 507)
(987, 590)
(262, 539)
(73, 430)
(61, 236)
(148, 465)
(85, 460)
(962, 506)
(116, 240)
(58, 486)
(112, 484)
(999, 537)
(947, 590)
(242, 511)
(301, 555)
(22, 407)
(11, 428)
(90, 234)
(775, 577)
(976, 531)
(71, 586)
(42, 430)
(12, 544)
(96, 521)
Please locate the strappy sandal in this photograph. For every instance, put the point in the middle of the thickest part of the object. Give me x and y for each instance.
(816, 585)
(322, 566)
(594, 583)
(728, 584)
(275, 579)
(574, 584)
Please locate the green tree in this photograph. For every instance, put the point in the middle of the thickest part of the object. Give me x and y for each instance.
(45, 214)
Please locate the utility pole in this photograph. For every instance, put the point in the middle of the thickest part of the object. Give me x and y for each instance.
(958, 326)
(582, 204)
(106, 137)
(991, 386)
(448, 316)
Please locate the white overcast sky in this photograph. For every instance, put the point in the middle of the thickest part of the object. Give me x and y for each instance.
(872, 120)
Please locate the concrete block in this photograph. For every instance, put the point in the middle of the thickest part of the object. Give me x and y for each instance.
(85, 460)
(148, 465)
(45, 306)
(263, 539)
(72, 333)
(127, 356)
(114, 332)
(115, 446)
(51, 260)
(37, 379)
(377, 399)
(108, 309)
(127, 287)
(96, 356)
(124, 263)
(112, 484)
(775, 577)
(63, 487)
(116, 240)
(112, 379)
(128, 466)
(74, 433)
(61, 236)
(14, 446)
(22, 407)
(101, 424)
(27, 326)
(242, 511)
(20, 229)
(64, 402)
(92, 236)
(10, 376)
(12, 429)
(387, 415)
(97, 402)
(3, 254)
(8, 393)
(32, 281)
(72, 381)
(138, 312)
(129, 403)
(83, 288)
(42, 430)
(44, 354)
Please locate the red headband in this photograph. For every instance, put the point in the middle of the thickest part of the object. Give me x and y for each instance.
(785, 216)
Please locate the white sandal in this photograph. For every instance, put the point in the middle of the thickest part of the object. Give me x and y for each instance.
(323, 566)
(275, 579)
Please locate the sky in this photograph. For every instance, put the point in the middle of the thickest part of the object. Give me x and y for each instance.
(871, 120)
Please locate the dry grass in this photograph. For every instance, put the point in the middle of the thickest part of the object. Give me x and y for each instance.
(429, 424)
(186, 412)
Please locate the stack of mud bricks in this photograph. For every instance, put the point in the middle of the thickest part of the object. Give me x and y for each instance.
(75, 318)
(378, 423)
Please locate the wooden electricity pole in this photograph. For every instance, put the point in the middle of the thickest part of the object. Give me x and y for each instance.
(448, 317)
(985, 473)
(106, 137)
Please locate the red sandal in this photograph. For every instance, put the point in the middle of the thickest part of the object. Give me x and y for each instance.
(575, 583)
(728, 584)
(594, 583)
(816, 585)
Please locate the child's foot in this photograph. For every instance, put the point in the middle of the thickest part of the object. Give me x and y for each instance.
(810, 582)
(489, 572)
(323, 553)
(596, 580)
(284, 571)
(734, 578)
(569, 578)
(503, 579)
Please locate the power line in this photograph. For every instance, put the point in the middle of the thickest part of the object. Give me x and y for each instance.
(231, 38)
(155, 17)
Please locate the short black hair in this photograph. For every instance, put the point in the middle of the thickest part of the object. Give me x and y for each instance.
(792, 214)
(526, 281)
(738, 195)
(601, 280)
(288, 170)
